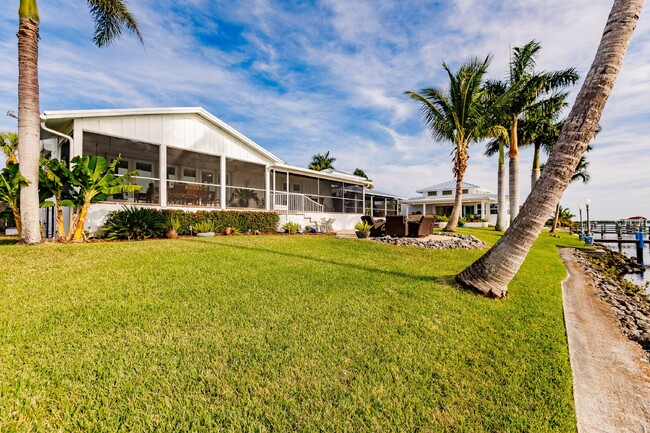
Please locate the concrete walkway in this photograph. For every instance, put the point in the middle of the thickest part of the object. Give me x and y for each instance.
(611, 380)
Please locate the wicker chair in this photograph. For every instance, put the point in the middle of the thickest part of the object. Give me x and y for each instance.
(376, 227)
(396, 226)
(422, 228)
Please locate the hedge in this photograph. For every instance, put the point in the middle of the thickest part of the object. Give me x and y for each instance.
(265, 222)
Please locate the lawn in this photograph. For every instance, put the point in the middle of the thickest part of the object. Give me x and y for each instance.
(277, 333)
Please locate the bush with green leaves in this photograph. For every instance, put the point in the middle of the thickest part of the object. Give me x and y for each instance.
(362, 226)
(442, 218)
(134, 223)
(204, 226)
(291, 227)
(243, 221)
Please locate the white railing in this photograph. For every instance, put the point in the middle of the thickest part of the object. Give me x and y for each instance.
(294, 202)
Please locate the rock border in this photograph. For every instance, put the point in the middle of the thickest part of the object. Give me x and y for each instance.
(454, 241)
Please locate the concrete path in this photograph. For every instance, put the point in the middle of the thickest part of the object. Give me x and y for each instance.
(611, 380)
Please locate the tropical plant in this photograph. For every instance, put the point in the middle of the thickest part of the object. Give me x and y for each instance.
(291, 227)
(243, 196)
(110, 17)
(492, 273)
(9, 144)
(580, 173)
(10, 182)
(527, 91)
(326, 225)
(458, 115)
(205, 226)
(174, 224)
(442, 218)
(54, 180)
(362, 226)
(562, 217)
(92, 180)
(134, 223)
(360, 173)
(321, 162)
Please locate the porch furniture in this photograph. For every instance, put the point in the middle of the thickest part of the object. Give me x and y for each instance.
(192, 194)
(396, 225)
(176, 194)
(377, 228)
(423, 227)
(206, 197)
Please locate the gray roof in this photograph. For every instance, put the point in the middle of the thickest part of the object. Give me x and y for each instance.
(450, 184)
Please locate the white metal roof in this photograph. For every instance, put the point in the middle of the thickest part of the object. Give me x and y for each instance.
(450, 199)
(450, 184)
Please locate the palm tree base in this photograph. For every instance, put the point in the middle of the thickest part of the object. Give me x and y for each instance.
(469, 281)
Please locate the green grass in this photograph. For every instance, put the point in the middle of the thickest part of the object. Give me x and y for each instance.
(277, 333)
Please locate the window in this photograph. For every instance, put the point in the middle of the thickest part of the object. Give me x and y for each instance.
(189, 175)
(122, 167)
(494, 209)
(432, 193)
(465, 191)
(207, 177)
(144, 169)
(171, 173)
(479, 209)
(447, 192)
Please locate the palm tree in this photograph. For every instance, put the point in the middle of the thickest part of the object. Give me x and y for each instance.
(10, 182)
(458, 115)
(110, 16)
(492, 273)
(526, 88)
(321, 162)
(9, 144)
(562, 217)
(360, 173)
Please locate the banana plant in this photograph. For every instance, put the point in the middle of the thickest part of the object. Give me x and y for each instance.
(10, 182)
(53, 181)
(92, 180)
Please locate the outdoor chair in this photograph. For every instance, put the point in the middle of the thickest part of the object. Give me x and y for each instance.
(422, 228)
(377, 228)
(396, 226)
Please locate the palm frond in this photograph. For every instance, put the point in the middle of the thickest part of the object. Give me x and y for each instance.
(111, 16)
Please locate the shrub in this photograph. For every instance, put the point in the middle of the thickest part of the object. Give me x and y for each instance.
(291, 227)
(134, 223)
(204, 226)
(443, 218)
(243, 221)
(326, 225)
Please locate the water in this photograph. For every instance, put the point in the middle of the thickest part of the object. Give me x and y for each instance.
(629, 250)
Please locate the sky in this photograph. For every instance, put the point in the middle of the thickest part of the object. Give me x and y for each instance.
(306, 77)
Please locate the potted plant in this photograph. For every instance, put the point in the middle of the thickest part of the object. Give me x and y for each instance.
(172, 228)
(204, 228)
(362, 229)
(442, 221)
(484, 222)
(462, 222)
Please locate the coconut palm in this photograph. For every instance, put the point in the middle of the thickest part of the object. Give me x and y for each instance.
(562, 217)
(457, 115)
(360, 173)
(111, 17)
(321, 162)
(10, 182)
(527, 89)
(9, 144)
(492, 273)
(53, 180)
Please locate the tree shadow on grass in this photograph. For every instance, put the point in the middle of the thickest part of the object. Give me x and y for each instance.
(350, 265)
(8, 240)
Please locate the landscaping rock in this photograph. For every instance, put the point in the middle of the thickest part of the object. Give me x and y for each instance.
(446, 242)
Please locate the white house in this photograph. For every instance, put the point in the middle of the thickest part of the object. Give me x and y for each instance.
(439, 200)
(187, 158)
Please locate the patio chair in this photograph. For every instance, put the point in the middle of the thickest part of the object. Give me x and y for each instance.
(396, 226)
(377, 228)
(422, 228)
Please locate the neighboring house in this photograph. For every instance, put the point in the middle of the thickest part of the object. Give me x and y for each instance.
(439, 200)
(187, 158)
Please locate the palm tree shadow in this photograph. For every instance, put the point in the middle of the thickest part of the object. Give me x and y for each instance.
(9, 240)
(320, 260)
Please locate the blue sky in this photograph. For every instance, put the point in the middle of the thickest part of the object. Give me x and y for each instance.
(305, 77)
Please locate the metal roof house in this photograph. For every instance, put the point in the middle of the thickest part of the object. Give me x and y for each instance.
(187, 158)
(439, 200)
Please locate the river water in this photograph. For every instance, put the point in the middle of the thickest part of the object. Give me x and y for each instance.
(630, 251)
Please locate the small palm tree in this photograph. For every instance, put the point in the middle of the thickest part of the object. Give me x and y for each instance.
(360, 173)
(321, 162)
(53, 181)
(457, 115)
(111, 17)
(10, 182)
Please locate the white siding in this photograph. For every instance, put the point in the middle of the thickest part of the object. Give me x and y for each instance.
(188, 131)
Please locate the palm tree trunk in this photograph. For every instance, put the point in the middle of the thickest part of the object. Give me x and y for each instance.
(460, 165)
(492, 273)
(535, 173)
(29, 128)
(73, 224)
(501, 192)
(513, 171)
(79, 229)
(556, 218)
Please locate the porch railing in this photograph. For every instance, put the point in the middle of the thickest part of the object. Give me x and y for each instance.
(293, 202)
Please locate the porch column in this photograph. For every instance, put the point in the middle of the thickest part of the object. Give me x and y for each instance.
(162, 170)
(267, 187)
(424, 208)
(222, 181)
(288, 204)
(372, 205)
(363, 198)
(77, 148)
